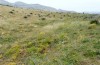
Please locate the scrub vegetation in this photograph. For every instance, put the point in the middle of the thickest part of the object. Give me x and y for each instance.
(34, 37)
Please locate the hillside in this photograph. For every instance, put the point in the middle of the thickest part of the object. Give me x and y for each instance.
(30, 6)
(34, 37)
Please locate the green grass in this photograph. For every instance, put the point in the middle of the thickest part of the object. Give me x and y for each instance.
(60, 39)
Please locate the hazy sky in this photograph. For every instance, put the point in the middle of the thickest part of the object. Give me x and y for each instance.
(73, 5)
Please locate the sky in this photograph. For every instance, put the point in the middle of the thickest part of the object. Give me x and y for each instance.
(70, 5)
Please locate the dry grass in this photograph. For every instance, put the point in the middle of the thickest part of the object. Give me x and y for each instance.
(60, 39)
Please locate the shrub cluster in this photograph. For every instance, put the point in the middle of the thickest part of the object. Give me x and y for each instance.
(94, 22)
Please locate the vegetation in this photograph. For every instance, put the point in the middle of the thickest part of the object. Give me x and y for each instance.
(48, 38)
(94, 22)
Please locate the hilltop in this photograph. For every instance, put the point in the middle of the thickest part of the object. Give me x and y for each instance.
(35, 37)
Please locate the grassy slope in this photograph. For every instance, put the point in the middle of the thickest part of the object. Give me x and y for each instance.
(60, 39)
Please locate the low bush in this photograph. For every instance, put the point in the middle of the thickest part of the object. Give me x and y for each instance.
(31, 13)
(94, 22)
(25, 17)
(43, 18)
(11, 12)
(92, 26)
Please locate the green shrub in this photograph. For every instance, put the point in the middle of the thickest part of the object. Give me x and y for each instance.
(94, 22)
(43, 18)
(85, 40)
(91, 53)
(25, 17)
(12, 51)
(92, 26)
(11, 12)
(31, 49)
(97, 45)
(31, 13)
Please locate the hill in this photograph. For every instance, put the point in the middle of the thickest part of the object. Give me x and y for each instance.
(4, 2)
(35, 37)
(31, 6)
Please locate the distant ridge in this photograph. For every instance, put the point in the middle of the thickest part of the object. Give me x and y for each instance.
(3, 2)
(32, 6)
